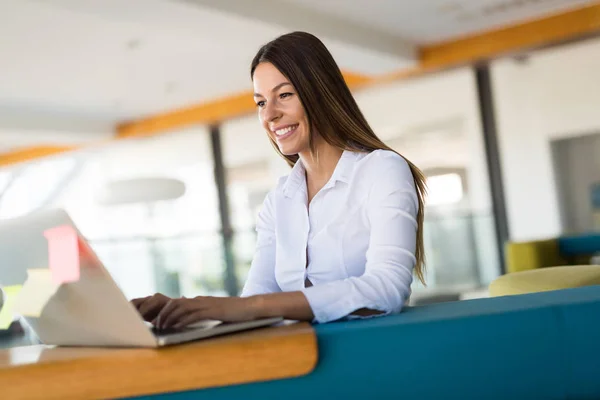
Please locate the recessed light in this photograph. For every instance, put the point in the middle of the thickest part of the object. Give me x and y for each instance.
(465, 17)
(133, 44)
(450, 8)
(170, 87)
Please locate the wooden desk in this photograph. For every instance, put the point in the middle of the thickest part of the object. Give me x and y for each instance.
(45, 372)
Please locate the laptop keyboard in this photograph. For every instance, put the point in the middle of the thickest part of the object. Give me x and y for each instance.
(208, 324)
(169, 331)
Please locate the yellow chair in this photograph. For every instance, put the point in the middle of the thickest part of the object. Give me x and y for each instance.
(523, 256)
(574, 249)
(545, 279)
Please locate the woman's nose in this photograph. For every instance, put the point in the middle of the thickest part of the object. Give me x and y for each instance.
(271, 112)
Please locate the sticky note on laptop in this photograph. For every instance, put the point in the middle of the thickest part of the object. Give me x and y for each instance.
(63, 253)
(7, 313)
(37, 291)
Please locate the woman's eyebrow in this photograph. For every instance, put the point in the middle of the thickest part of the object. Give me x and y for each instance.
(274, 89)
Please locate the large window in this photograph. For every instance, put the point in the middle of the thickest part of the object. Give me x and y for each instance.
(5, 177)
(172, 246)
(444, 189)
(34, 186)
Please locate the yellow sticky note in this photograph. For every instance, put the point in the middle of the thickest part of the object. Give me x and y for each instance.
(37, 291)
(7, 312)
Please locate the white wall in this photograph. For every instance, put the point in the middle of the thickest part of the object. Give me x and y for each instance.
(553, 94)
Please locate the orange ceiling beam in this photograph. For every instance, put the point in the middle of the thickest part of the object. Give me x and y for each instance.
(205, 113)
(31, 153)
(515, 38)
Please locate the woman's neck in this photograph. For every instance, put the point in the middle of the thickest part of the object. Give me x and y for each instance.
(319, 166)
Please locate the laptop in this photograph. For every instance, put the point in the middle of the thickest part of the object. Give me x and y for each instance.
(92, 311)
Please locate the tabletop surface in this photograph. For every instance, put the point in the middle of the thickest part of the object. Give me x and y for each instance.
(68, 372)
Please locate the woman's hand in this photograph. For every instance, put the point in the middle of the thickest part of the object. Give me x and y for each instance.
(150, 306)
(165, 312)
(178, 313)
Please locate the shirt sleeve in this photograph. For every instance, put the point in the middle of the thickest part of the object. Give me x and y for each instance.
(392, 208)
(261, 277)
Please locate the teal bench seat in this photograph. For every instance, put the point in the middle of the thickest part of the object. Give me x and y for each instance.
(533, 346)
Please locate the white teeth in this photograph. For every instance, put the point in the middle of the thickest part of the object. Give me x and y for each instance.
(283, 131)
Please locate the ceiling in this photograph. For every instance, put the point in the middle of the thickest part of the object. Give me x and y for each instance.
(433, 21)
(77, 67)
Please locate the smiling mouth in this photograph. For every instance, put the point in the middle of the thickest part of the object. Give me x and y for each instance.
(285, 132)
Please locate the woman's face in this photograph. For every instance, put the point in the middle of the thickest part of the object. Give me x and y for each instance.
(279, 110)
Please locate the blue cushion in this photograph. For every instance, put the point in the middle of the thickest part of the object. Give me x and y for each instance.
(578, 245)
(540, 345)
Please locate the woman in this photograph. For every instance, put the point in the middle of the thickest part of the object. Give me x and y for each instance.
(341, 235)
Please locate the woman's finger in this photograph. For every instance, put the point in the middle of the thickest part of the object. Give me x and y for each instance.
(145, 306)
(164, 313)
(150, 308)
(169, 319)
(137, 302)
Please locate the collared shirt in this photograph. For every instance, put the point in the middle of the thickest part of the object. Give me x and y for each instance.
(355, 242)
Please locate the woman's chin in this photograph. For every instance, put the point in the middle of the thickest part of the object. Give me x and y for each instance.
(292, 149)
(287, 151)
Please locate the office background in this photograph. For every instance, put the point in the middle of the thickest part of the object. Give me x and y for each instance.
(532, 177)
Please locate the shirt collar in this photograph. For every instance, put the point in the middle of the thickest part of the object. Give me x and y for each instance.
(342, 173)
(295, 179)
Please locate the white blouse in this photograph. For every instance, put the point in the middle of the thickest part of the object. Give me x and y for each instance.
(355, 242)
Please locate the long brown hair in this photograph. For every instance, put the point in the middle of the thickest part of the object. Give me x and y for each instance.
(331, 108)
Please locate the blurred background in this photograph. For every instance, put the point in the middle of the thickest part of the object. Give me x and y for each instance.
(137, 117)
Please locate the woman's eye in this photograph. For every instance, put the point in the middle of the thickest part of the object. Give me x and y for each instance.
(260, 104)
(284, 95)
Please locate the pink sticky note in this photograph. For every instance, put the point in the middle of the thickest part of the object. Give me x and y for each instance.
(63, 253)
